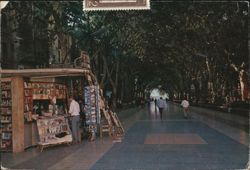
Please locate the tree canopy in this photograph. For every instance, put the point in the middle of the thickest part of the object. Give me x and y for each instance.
(193, 48)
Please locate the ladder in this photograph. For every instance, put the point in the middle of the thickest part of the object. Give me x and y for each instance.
(112, 125)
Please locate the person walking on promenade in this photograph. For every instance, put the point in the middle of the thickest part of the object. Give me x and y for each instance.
(161, 105)
(74, 111)
(155, 100)
(185, 105)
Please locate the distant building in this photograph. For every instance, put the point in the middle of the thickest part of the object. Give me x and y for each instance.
(9, 42)
(26, 46)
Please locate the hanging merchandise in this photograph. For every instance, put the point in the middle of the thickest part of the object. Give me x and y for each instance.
(83, 61)
(97, 95)
(92, 110)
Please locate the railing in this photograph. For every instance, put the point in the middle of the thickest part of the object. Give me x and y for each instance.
(69, 65)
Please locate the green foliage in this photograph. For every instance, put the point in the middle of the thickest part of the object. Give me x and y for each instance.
(175, 44)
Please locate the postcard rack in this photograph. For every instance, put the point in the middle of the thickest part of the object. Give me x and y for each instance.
(6, 117)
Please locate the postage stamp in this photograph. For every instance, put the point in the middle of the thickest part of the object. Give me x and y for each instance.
(92, 5)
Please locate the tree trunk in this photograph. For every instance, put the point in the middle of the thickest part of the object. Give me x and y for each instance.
(243, 78)
(243, 85)
(115, 85)
(126, 90)
(103, 75)
(210, 82)
(114, 98)
(122, 87)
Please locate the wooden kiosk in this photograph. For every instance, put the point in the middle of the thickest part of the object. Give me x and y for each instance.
(17, 95)
(21, 88)
(17, 98)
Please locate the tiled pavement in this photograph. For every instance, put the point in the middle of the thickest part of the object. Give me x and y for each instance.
(172, 143)
(220, 152)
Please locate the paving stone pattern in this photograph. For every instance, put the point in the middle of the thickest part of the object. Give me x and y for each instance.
(220, 152)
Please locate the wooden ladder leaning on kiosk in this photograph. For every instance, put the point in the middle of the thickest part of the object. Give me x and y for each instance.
(113, 125)
(118, 131)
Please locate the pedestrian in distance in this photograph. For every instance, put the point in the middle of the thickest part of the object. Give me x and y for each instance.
(148, 103)
(161, 105)
(185, 105)
(155, 100)
(74, 111)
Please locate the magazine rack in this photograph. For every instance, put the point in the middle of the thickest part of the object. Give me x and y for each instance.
(53, 131)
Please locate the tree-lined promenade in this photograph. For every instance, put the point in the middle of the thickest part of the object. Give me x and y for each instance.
(198, 50)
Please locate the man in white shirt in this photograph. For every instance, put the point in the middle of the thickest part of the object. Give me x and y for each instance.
(161, 104)
(185, 105)
(74, 111)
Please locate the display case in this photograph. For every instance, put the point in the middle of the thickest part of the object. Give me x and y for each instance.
(45, 91)
(39, 98)
(28, 101)
(92, 113)
(38, 101)
(6, 116)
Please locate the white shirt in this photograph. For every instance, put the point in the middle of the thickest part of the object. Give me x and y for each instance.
(161, 103)
(185, 103)
(74, 108)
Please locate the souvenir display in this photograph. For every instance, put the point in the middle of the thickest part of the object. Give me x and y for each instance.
(53, 130)
(91, 99)
(48, 90)
(6, 117)
(28, 101)
(91, 108)
(41, 91)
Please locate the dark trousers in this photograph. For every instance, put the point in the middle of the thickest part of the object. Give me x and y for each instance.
(161, 110)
